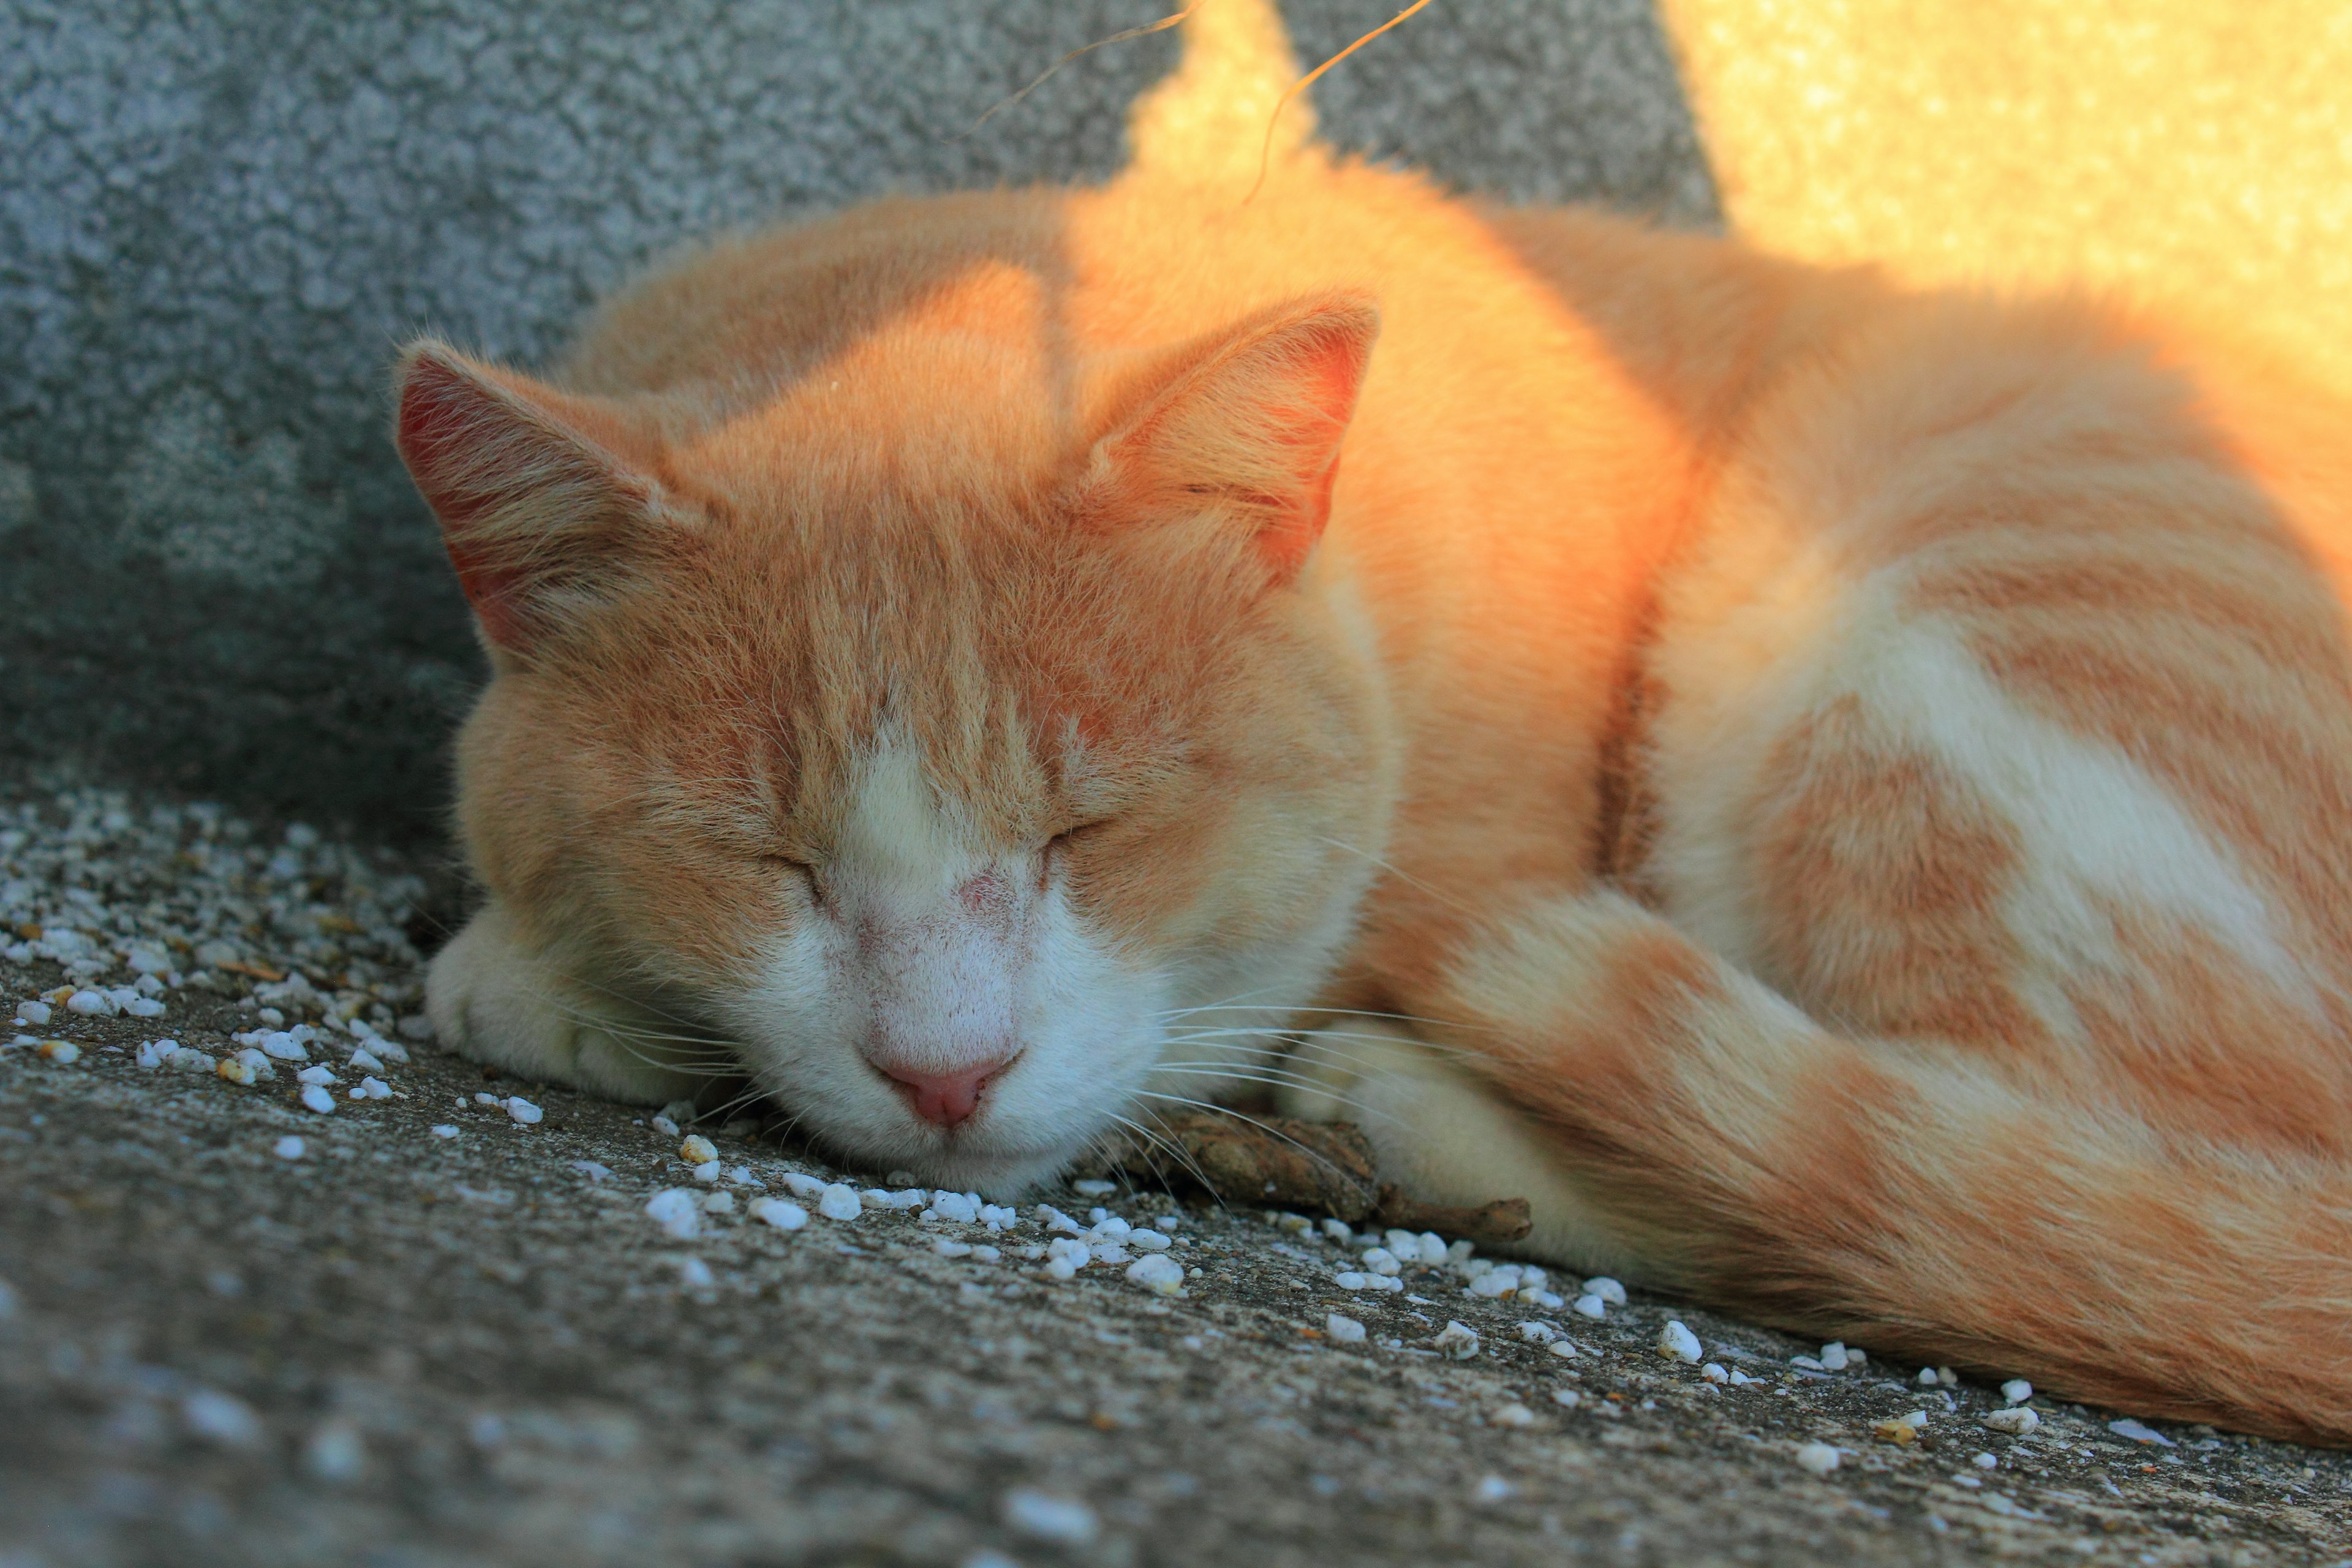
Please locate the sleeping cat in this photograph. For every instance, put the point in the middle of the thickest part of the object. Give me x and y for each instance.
(1841, 796)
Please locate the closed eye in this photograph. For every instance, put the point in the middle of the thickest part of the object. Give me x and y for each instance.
(787, 866)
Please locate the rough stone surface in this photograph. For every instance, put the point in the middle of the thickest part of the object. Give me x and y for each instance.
(414, 1350)
(217, 216)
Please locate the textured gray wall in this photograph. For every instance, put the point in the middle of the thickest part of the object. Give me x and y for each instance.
(217, 216)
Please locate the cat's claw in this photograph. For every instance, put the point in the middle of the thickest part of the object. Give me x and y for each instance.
(492, 999)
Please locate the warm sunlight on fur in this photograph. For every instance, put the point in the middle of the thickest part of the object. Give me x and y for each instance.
(1837, 792)
(2185, 151)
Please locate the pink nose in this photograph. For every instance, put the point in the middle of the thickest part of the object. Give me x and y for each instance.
(946, 1099)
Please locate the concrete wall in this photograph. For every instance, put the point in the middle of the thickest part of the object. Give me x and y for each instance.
(217, 216)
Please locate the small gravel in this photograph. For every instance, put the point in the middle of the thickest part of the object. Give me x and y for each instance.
(549, 1342)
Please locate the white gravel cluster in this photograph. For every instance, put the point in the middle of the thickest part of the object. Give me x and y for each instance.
(138, 905)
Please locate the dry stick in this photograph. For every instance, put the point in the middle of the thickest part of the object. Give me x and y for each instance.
(1265, 151)
(1162, 26)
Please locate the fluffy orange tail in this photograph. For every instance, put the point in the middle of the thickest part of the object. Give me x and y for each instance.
(1909, 1197)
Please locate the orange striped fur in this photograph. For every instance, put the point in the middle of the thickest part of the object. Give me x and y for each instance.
(1842, 795)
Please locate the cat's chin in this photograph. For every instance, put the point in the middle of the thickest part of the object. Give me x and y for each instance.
(998, 1177)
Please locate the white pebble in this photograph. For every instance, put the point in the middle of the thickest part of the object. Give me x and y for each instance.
(1818, 1457)
(1343, 1331)
(1927, 1377)
(65, 1053)
(664, 1126)
(708, 1171)
(443, 1130)
(1339, 1230)
(317, 1098)
(364, 1060)
(1494, 1284)
(524, 1112)
(288, 1148)
(1590, 1307)
(1513, 1414)
(1832, 1357)
(89, 1003)
(1042, 1516)
(2017, 1390)
(372, 1088)
(1094, 1189)
(1158, 1273)
(2138, 1433)
(1565, 1349)
(1566, 1399)
(676, 1211)
(1713, 1372)
(1605, 1287)
(778, 1212)
(802, 1184)
(245, 1067)
(949, 1247)
(697, 1150)
(743, 1177)
(222, 1418)
(1538, 1333)
(335, 1452)
(1381, 1260)
(1985, 1462)
(142, 1008)
(1679, 1343)
(1458, 1341)
(2017, 1420)
(957, 1206)
(719, 1202)
(318, 1075)
(1492, 1488)
(695, 1274)
(837, 1201)
(33, 1013)
(284, 1046)
(1147, 1241)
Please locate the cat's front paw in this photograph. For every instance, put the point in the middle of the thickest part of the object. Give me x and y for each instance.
(1443, 1136)
(492, 999)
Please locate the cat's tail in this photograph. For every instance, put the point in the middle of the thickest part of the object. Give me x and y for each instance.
(1916, 1198)
(1211, 118)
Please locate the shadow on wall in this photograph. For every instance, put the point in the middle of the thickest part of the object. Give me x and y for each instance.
(219, 216)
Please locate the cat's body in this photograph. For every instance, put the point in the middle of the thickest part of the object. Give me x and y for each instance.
(1843, 798)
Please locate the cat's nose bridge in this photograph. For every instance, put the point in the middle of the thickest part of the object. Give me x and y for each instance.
(939, 983)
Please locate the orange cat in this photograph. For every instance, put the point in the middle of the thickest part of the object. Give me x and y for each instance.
(1840, 796)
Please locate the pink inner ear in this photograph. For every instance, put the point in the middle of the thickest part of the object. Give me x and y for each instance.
(440, 408)
(1331, 376)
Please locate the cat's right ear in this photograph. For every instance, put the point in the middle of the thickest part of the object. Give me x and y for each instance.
(544, 498)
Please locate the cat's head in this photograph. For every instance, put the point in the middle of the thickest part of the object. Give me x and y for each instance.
(974, 739)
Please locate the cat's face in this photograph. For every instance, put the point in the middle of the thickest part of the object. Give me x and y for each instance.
(981, 779)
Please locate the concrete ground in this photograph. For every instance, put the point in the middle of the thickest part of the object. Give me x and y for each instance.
(404, 1348)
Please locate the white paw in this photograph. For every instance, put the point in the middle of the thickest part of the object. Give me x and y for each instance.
(1444, 1138)
(492, 999)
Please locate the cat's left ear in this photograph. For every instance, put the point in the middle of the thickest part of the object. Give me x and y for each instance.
(1251, 429)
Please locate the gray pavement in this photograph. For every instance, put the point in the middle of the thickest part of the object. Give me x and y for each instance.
(406, 1349)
